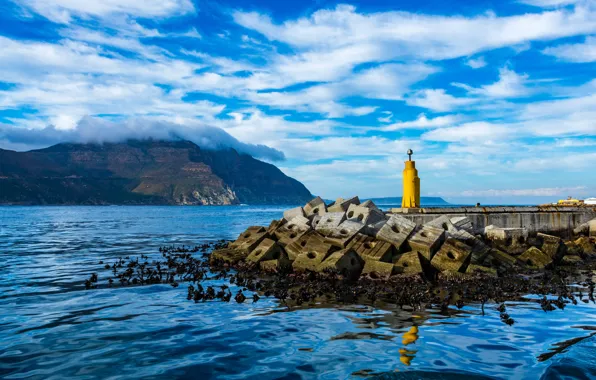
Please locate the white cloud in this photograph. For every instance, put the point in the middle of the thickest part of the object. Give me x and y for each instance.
(333, 147)
(580, 53)
(476, 63)
(539, 192)
(62, 11)
(509, 85)
(406, 34)
(422, 122)
(437, 100)
(470, 132)
(549, 3)
(577, 162)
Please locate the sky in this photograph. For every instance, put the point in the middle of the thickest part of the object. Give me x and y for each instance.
(497, 98)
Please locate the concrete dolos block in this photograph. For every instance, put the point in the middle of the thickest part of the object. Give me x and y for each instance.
(228, 255)
(499, 260)
(370, 204)
(266, 250)
(330, 222)
(292, 230)
(373, 229)
(346, 262)
(344, 233)
(315, 207)
(453, 255)
(463, 223)
(507, 237)
(535, 258)
(308, 261)
(249, 239)
(309, 242)
(442, 222)
(342, 205)
(364, 215)
(396, 230)
(408, 263)
(294, 212)
(553, 246)
(371, 249)
(592, 227)
(427, 240)
(378, 269)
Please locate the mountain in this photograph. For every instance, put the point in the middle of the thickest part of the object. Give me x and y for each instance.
(142, 172)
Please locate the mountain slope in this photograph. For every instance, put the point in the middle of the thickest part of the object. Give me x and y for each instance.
(142, 172)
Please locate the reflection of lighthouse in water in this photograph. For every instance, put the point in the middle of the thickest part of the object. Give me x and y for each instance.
(411, 336)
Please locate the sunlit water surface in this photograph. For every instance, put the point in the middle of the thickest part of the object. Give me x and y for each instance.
(51, 327)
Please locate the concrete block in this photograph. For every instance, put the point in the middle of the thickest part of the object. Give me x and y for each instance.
(249, 239)
(378, 269)
(283, 264)
(344, 233)
(571, 260)
(427, 240)
(499, 260)
(453, 255)
(553, 246)
(592, 228)
(267, 250)
(342, 205)
(396, 230)
(442, 222)
(463, 223)
(535, 258)
(274, 225)
(408, 263)
(228, 255)
(371, 249)
(330, 222)
(507, 237)
(364, 215)
(473, 268)
(346, 262)
(309, 261)
(371, 205)
(479, 249)
(292, 230)
(582, 229)
(588, 249)
(294, 212)
(311, 241)
(373, 229)
(314, 220)
(315, 207)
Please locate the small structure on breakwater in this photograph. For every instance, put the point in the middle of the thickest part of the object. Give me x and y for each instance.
(354, 238)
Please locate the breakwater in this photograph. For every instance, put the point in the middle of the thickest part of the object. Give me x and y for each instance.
(358, 240)
(561, 221)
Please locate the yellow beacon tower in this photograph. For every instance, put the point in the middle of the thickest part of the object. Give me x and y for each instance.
(411, 197)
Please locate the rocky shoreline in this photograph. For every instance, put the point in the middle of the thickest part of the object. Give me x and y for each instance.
(358, 240)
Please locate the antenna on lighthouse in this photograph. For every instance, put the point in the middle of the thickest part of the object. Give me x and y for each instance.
(410, 153)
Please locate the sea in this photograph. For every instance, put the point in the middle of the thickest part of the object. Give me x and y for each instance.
(52, 327)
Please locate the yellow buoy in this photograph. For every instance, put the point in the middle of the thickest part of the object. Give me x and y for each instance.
(411, 197)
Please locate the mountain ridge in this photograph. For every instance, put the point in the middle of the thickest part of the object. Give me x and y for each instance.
(142, 172)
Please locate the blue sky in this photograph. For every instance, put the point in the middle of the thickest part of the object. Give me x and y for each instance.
(496, 98)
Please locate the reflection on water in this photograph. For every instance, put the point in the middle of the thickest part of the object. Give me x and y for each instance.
(51, 327)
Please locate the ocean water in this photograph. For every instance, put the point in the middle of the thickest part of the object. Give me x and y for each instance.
(51, 327)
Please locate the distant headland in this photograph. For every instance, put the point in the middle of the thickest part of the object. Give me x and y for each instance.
(147, 172)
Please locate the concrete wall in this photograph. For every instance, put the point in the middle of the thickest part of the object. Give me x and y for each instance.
(554, 220)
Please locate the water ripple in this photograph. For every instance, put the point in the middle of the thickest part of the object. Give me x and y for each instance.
(52, 328)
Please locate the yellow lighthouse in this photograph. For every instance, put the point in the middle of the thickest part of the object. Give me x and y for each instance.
(411, 197)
